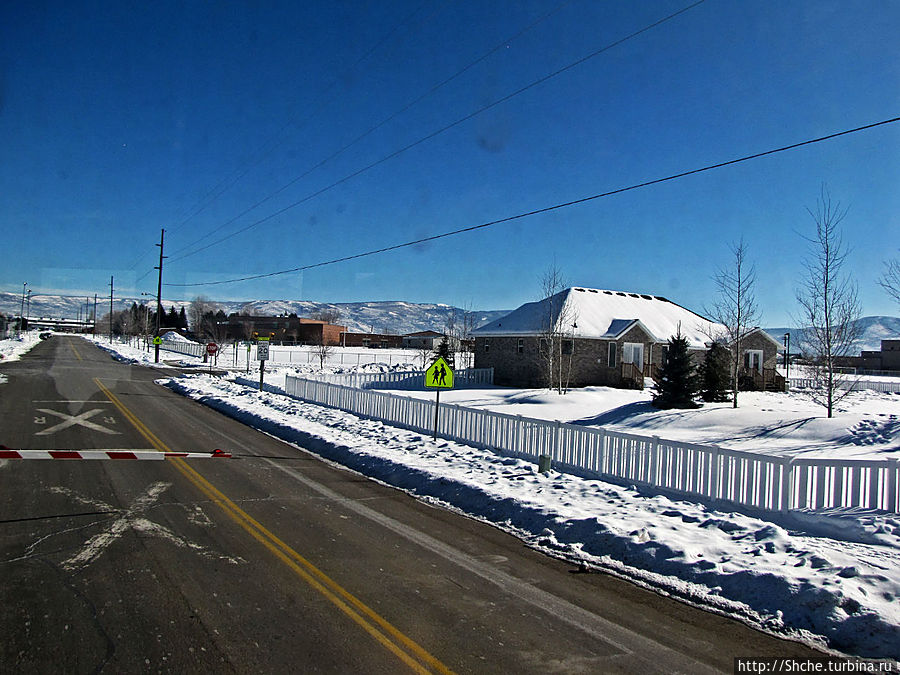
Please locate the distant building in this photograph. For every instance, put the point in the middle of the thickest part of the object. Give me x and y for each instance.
(429, 339)
(290, 329)
(371, 340)
(888, 359)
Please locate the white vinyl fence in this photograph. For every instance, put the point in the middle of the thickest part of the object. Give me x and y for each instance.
(406, 380)
(849, 382)
(189, 348)
(756, 481)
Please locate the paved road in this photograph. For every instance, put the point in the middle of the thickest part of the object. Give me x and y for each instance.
(277, 561)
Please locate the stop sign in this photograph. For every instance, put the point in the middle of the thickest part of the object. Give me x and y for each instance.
(212, 348)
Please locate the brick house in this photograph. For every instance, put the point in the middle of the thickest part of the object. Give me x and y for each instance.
(610, 338)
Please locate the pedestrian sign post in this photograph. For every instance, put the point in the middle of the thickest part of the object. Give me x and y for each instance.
(262, 355)
(157, 340)
(438, 376)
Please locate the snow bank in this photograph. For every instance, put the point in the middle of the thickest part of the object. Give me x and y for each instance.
(836, 590)
(12, 349)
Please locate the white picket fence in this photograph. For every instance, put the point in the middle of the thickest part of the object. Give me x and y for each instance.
(407, 380)
(756, 481)
(849, 382)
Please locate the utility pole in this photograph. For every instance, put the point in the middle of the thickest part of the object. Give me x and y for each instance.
(162, 235)
(22, 310)
(94, 328)
(110, 308)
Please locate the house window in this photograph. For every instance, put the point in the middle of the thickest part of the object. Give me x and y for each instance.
(366, 342)
(633, 352)
(664, 357)
(568, 346)
(384, 344)
(753, 359)
(520, 346)
(543, 346)
(611, 358)
(487, 346)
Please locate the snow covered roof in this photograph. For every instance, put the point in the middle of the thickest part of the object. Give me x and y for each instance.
(592, 313)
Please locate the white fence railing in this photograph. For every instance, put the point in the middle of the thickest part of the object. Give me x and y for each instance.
(188, 348)
(756, 481)
(408, 380)
(848, 382)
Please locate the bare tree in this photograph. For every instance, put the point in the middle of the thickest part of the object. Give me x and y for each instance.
(323, 350)
(331, 315)
(202, 313)
(735, 308)
(890, 279)
(556, 339)
(829, 306)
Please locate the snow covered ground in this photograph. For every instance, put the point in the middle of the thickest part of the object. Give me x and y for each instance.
(832, 579)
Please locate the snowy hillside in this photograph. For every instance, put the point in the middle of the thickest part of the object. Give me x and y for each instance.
(380, 317)
(873, 329)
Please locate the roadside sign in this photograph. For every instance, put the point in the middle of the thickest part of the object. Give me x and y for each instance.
(262, 350)
(212, 348)
(439, 375)
(157, 340)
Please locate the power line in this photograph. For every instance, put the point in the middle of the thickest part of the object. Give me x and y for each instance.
(547, 209)
(374, 128)
(269, 146)
(440, 131)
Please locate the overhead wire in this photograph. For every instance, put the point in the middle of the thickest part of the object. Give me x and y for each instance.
(546, 209)
(440, 131)
(377, 126)
(269, 146)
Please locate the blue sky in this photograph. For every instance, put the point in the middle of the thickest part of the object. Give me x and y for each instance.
(118, 119)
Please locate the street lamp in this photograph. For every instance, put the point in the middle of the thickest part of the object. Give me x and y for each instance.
(787, 354)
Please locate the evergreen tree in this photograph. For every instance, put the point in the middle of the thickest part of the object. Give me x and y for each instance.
(182, 319)
(716, 374)
(678, 383)
(171, 318)
(443, 350)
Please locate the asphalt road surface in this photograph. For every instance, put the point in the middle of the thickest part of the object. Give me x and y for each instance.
(276, 561)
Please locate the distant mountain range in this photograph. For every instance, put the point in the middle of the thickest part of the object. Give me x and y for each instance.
(392, 317)
(873, 329)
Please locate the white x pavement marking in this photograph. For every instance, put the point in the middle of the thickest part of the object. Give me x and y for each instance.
(72, 420)
(132, 519)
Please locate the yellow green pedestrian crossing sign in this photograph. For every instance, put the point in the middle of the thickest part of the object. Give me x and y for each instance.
(439, 375)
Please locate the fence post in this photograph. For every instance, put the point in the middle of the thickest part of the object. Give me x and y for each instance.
(787, 484)
(714, 457)
(893, 494)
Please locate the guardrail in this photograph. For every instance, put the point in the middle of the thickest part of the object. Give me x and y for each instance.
(710, 472)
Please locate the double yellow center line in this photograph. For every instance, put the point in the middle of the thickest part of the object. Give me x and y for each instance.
(408, 651)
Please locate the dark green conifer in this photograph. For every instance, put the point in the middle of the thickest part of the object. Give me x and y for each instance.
(677, 384)
(716, 374)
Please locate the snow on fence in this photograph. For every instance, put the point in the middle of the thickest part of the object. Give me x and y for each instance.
(757, 481)
(847, 383)
(408, 380)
